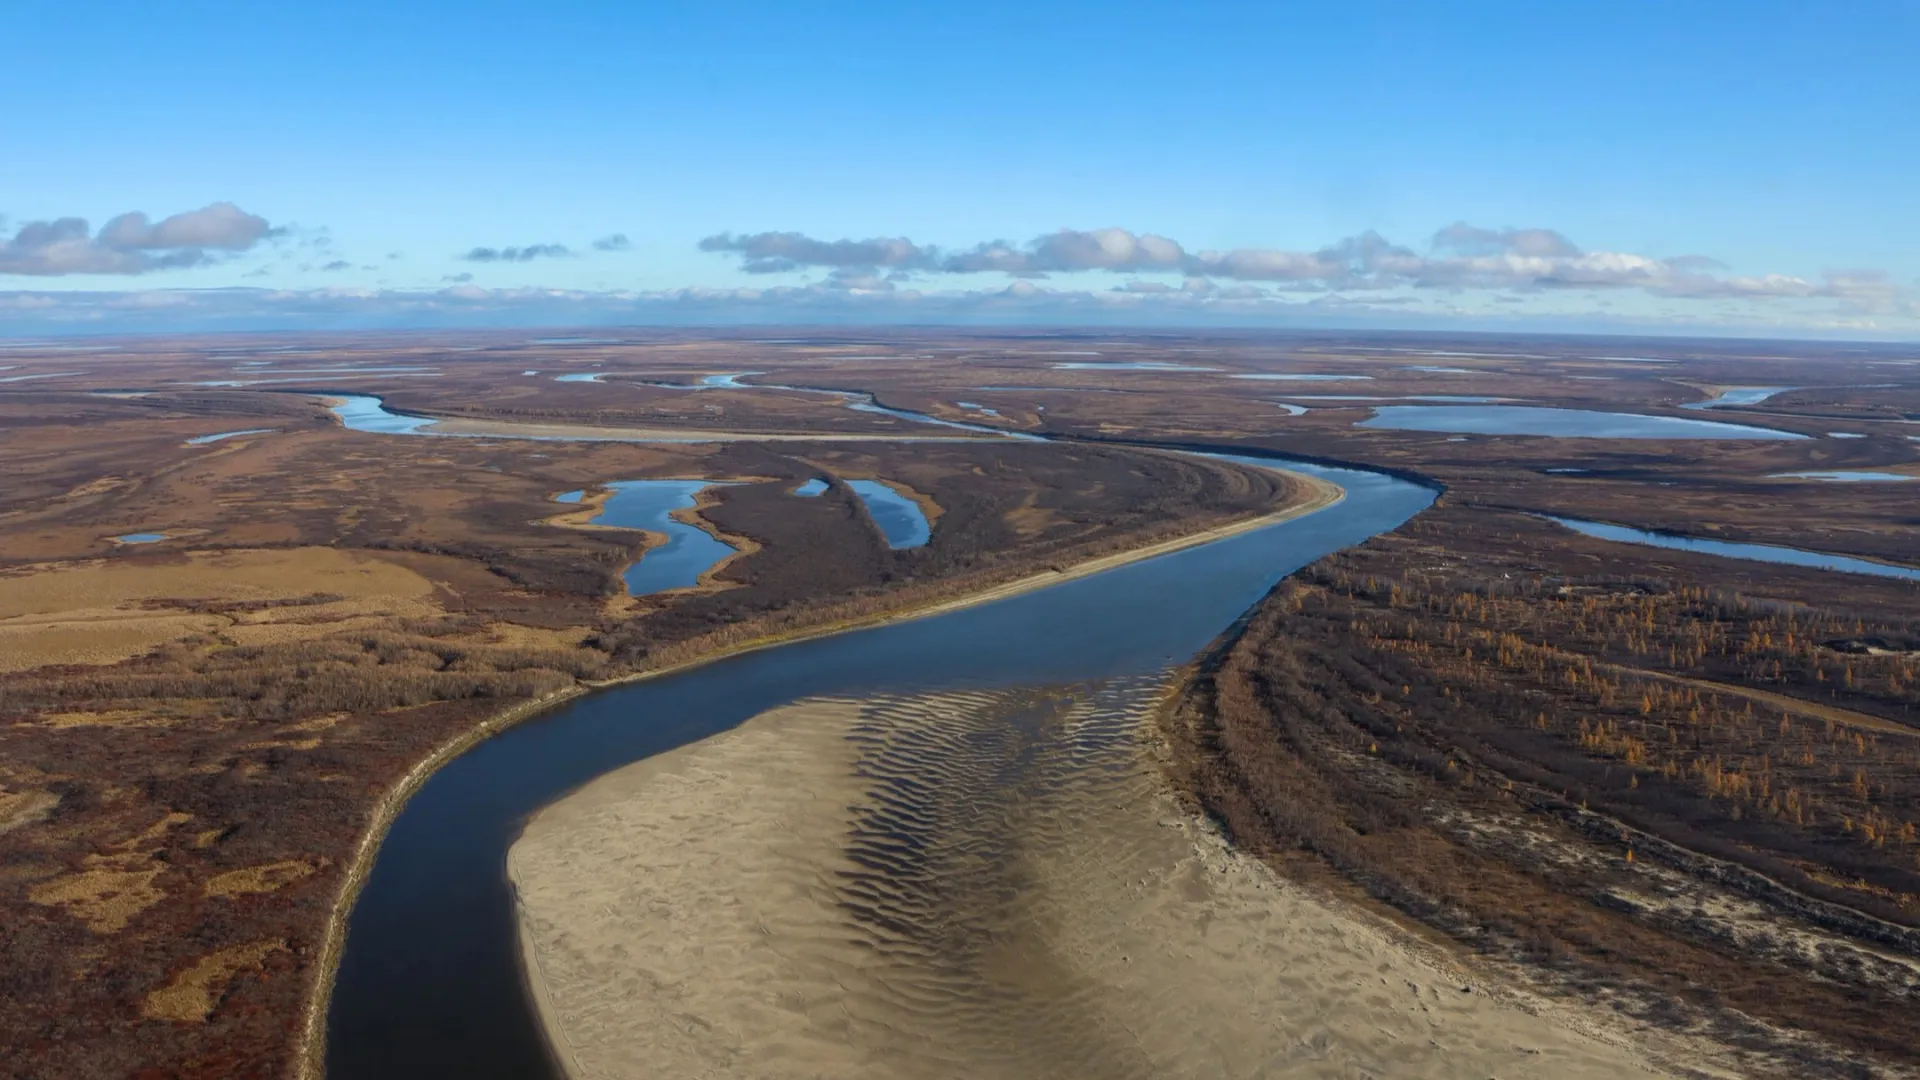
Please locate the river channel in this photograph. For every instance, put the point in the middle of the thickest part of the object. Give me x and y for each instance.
(430, 983)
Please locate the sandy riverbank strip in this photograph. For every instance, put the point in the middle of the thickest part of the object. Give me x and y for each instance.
(986, 884)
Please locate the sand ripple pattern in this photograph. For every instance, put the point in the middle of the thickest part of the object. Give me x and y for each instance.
(986, 884)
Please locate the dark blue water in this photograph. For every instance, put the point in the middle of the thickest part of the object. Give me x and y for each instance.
(430, 985)
(900, 519)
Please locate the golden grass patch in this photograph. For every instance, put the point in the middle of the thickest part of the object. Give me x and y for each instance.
(268, 877)
(91, 637)
(106, 897)
(115, 718)
(102, 611)
(248, 574)
(191, 996)
(19, 808)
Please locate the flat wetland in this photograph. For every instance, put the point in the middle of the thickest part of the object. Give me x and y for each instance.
(1656, 806)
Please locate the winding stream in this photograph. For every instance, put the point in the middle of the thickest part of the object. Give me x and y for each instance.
(429, 982)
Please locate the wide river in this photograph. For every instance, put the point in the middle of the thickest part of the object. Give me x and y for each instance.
(430, 981)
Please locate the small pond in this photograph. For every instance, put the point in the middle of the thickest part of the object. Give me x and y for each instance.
(811, 488)
(141, 538)
(649, 504)
(899, 518)
(1729, 549)
(1563, 423)
(573, 496)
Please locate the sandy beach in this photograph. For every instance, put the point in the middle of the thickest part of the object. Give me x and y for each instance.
(983, 884)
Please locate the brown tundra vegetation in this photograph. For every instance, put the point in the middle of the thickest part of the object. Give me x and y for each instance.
(1685, 791)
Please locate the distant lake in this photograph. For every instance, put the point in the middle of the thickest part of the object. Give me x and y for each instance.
(1728, 549)
(1739, 395)
(141, 538)
(1848, 476)
(362, 412)
(1270, 376)
(1562, 423)
(1125, 365)
(202, 440)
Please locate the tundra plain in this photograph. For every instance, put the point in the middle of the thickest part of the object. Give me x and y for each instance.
(1669, 787)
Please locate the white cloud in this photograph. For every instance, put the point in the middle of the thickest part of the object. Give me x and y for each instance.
(131, 243)
(1459, 257)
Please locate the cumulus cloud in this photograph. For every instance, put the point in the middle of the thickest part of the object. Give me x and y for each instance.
(615, 242)
(517, 254)
(1470, 240)
(132, 243)
(1458, 257)
(777, 252)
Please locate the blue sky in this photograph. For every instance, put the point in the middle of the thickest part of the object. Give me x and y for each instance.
(1594, 149)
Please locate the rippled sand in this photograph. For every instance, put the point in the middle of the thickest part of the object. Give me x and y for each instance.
(968, 885)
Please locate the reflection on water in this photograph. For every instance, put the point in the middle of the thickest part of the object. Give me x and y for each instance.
(1731, 550)
(363, 412)
(900, 519)
(1739, 395)
(689, 551)
(1563, 423)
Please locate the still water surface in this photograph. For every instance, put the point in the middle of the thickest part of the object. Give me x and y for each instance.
(900, 519)
(1729, 549)
(689, 551)
(429, 984)
(1563, 423)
